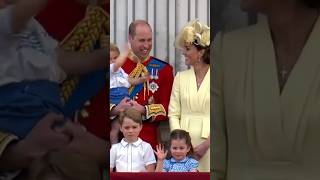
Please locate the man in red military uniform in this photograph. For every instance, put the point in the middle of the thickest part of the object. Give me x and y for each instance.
(153, 96)
(96, 119)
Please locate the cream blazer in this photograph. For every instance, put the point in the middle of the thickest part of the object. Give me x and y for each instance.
(189, 104)
(258, 133)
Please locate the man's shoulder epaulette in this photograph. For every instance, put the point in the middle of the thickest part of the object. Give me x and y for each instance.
(161, 61)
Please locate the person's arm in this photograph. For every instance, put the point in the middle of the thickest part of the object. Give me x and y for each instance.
(42, 138)
(124, 104)
(113, 155)
(23, 11)
(174, 106)
(134, 81)
(150, 167)
(219, 137)
(82, 62)
(159, 166)
(149, 158)
(120, 61)
(161, 156)
(85, 143)
(202, 148)
(139, 80)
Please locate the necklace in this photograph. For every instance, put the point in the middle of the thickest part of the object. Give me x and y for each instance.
(284, 73)
(199, 81)
(285, 68)
(200, 76)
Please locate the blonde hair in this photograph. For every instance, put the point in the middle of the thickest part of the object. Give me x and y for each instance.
(114, 47)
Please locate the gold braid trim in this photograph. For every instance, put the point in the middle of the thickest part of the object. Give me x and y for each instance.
(95, 31)
(68, 86)
(80, 31)
(153, 110)
(135, 58)
(139, 71)
(82, 38)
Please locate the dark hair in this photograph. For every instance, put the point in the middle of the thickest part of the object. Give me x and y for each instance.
(315, 4)
(134, 24)
(132, 114)
(181, 134)
(206, 55)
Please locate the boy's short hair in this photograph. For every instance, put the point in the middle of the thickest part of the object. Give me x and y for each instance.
(114, 47)
(131, 113)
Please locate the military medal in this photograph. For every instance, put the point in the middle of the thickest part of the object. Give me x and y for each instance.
(156, 76)
(152, 76)
(153, 87)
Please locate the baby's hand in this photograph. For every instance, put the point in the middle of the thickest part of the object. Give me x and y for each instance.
(145, 78)
(161, 153)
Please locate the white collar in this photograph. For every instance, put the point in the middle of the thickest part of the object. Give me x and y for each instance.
(136, 143)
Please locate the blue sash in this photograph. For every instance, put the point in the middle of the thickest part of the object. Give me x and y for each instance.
(154, 64)
(88, 86)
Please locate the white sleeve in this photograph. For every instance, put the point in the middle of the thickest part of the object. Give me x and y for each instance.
(113, 155)
(149, 157)
(111, 68)
(125, 75)
(51, 45)
(59, 74)
(119, 70)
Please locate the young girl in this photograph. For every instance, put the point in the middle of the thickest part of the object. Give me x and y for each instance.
(132, 154)
(180, 152)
